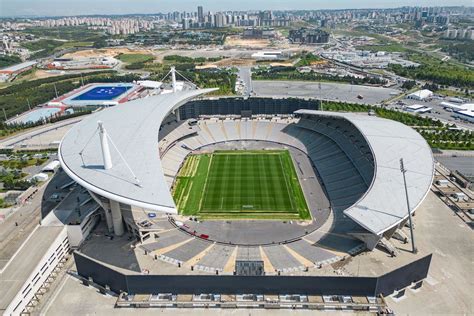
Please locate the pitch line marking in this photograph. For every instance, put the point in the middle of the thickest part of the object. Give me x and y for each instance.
(205, 184)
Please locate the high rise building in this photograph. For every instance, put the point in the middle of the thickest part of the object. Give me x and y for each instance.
(220, 20)
(200, 14)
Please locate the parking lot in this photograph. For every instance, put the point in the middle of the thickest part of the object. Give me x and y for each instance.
(326, 90)
(437, 112)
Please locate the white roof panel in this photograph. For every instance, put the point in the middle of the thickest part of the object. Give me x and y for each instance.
(384, 204)
(133, 128)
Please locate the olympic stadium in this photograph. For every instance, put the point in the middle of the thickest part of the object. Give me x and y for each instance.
(246, 188)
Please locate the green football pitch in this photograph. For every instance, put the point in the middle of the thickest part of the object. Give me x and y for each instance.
(240, 185)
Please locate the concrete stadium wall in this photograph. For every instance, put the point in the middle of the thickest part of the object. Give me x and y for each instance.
(198, 284)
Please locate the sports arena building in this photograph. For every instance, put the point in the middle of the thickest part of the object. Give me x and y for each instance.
(123, 162)
(128, 158)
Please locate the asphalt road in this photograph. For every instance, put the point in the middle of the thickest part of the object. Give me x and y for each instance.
(15, 140)
(245, 74)
(17, 227)
(464, 164)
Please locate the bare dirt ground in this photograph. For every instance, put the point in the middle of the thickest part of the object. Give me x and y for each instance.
(252, 43)
(107, 52)
(235, 62)
(231, 56)
(40, 74)
(282, 64)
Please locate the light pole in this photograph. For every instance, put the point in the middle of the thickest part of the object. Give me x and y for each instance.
(403, 170)
(55, 90)
(320, 97)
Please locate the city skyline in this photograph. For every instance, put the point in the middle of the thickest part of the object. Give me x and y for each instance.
(10, 8)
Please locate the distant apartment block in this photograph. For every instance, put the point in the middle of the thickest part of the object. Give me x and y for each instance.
(308, 36)
(256, 33)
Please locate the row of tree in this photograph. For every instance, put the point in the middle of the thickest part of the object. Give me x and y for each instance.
(438, 72)
(436, 133)
(18, 98)
(290, 73)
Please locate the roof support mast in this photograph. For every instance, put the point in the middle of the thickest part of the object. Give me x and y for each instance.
(173, 78)
(104, 143)
(403, 170)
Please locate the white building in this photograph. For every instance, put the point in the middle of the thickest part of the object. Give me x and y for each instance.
(417, 108)
(268, 55)
(458, 107)
(51, 167)
(150, 84)
(420, 95)
(466, 115)
(40, 177)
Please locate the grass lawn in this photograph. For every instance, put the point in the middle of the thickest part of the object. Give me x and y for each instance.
(134, 58)
(241, 185)
(452, 93)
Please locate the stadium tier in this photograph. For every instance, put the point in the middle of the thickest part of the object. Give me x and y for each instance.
(131, 163)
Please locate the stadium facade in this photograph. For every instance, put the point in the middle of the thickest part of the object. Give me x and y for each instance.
(128, 156)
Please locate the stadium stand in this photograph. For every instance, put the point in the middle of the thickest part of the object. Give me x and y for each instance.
(337, 149)
(188, 250)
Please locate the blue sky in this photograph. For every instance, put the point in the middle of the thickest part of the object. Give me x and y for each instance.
(78, 7)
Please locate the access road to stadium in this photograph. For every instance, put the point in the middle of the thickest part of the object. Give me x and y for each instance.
(245, 74)
(329, 91)
(28, 216)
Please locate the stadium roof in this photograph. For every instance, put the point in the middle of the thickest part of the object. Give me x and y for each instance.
(384, 204)
(133, 128)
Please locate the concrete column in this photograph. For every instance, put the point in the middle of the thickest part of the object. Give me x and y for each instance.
(106, 207)
(117, 218)
(108, 219)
